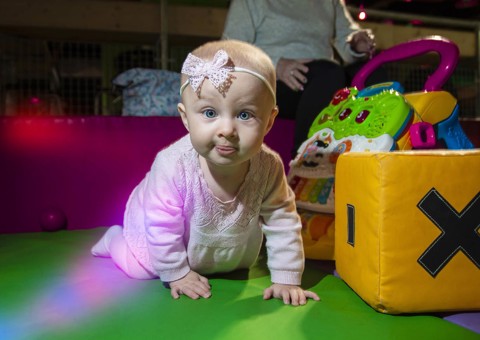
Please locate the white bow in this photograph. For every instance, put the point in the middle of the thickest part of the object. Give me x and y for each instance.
(216, 70)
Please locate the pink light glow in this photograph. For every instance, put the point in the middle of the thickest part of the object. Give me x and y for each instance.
(35, 100)
(65, 300)
(416, 22)
(462, 4)
(362, 15)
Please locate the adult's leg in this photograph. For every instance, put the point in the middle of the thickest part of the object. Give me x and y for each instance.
(324, 79)
(380, 75)
(287, 101)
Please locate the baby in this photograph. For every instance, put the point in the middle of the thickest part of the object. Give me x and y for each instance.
(209, 197)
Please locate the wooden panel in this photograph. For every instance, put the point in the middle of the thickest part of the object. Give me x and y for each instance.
(196, 21)
(120, 16)
(140, 22)
(119, 21)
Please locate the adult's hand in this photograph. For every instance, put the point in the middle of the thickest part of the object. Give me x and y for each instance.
(363, 42)
(293, 72)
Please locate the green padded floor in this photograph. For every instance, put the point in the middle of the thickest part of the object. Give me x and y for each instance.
(52, 288)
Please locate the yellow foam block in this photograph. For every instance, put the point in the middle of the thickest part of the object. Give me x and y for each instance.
(407, 229)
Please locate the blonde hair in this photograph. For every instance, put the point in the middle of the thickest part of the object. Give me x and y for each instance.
(242, 54)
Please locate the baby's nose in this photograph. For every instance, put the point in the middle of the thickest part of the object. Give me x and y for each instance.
(227, 127)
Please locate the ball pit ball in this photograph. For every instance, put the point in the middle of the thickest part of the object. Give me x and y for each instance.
(53, 219)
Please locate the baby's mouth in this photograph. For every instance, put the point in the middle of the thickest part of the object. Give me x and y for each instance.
(225, 150)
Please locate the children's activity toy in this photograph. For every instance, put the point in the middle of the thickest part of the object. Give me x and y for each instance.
(406, 236)
(379, 118)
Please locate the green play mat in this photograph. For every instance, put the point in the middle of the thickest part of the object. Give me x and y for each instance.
(52, 288)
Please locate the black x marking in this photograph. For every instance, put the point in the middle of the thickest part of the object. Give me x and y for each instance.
(459, 231)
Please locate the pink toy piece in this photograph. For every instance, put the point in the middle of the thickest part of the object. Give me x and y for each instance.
(447, 50)
(53, 219)
(422, 136)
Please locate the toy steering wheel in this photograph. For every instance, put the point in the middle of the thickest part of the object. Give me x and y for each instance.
(447, 50)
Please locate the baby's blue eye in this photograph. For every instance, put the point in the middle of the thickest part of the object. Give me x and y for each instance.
(209, 113)
(244, 115)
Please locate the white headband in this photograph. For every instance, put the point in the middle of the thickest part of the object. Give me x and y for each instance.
(218, 71)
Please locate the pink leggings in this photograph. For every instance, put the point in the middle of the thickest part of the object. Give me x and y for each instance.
(115, 245)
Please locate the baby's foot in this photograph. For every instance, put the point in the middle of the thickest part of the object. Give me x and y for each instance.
(101, 248)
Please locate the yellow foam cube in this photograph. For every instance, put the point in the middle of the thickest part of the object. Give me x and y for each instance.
(407, 229)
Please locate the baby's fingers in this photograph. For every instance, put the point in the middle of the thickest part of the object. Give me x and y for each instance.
(291, 297)
(199, 289)
(175, 292)
(268, 293)
(311, 295)
(192, 291)
(204, 280)
(188, 291)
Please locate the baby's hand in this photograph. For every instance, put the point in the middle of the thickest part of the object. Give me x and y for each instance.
(192, 285)
(290, 294)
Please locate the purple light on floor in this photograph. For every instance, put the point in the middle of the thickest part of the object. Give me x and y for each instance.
(467, 320)
(78, 295)
(66, 299)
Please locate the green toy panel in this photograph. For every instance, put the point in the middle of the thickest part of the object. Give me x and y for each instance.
(52, 288)
(372, 112)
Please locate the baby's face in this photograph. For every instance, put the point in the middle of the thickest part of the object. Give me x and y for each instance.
(228, 131)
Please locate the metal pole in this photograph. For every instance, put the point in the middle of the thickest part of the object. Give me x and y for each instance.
(164, 34)
(477, 80)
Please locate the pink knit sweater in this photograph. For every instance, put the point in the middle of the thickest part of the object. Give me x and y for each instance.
(173, 222)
